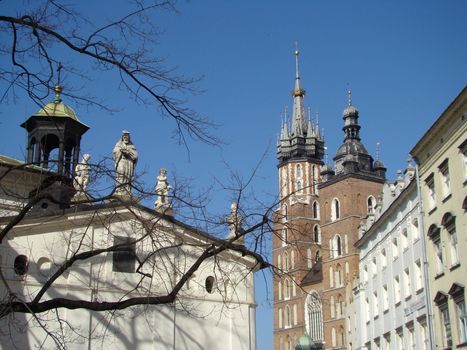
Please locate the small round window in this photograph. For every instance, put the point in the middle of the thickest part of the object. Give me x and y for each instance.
(21, 265)
(209, 284)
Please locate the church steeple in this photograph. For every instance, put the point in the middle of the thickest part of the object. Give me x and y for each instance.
(302, 140)
(299, 124)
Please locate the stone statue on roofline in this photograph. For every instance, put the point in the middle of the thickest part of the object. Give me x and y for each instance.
(162, 204)
(125, 157)
(234, 221)
(81, 178)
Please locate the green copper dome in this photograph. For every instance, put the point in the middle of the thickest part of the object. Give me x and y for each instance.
(57, 108)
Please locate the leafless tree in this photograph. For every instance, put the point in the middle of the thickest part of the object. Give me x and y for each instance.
(86, 236)
(49, 42)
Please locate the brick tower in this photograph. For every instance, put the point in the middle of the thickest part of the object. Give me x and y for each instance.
(297, 239)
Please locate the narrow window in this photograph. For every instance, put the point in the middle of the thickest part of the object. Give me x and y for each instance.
(125, 260)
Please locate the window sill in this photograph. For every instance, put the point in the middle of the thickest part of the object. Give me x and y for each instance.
(398, 303)
(386, 311)
(439, 275)
(445, 199)
(408, 297)
(455, 266)
(419, 291)
(462, 345)
(432, 210)
(375, 317)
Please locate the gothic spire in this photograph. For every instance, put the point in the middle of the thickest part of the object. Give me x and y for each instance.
(299, 123)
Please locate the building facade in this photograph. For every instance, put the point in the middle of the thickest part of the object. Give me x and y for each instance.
(83, 254)
(391, 300)
(317, 226)
(441, 156)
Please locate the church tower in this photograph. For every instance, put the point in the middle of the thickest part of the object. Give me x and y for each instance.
(347, 196)
(297, 238)
(54, 138)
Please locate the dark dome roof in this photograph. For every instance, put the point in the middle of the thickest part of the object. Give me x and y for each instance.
(350, 111)
(351, 146)
(378, 164)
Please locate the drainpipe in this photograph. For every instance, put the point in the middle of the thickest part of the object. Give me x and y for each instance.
(425, 261)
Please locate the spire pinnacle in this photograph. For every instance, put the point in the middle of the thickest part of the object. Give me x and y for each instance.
(58, 90)
(349, 94)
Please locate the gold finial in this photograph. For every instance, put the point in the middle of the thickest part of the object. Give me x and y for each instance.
(58, 90)
(296, 49)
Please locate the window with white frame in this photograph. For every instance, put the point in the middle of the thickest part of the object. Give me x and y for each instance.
(405, 239)
(387, 341)
(407, 287)
(449, 223)
(445, 178)
(438, 255)
(399, 339)
(415, 231)
(395, 248)
(287, 289)
(461, 319)
(374, 267)
(422, 327)
(430, 186)
(385, 298)
(340, 306)
(445, 324)
(384, 260)
(418, 275)
(375, 304)
(335, 209)
(397, 289)
(410, 335)
(339, 278)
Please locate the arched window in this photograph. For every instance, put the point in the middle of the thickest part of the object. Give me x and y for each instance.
(292, 259)
(333, 337)
(287, 316)
(284, 237)
(279, 262)
(315, 210)
(331, 277)
(314, 317)
(335, 210)
(339, 276)
(337, 246)
(309, 259)
(371, 204)
(280, 319)
(286, 262)
(298, 171)
(299, 185)
(287, 289)
(279, 290)
(316, 234)
(284, 212)
(340, 307)
(449, 223)
(341, 336)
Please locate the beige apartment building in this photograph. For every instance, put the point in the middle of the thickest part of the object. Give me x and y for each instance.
(441, 156)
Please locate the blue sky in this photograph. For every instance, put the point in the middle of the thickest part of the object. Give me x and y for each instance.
(404, 60)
